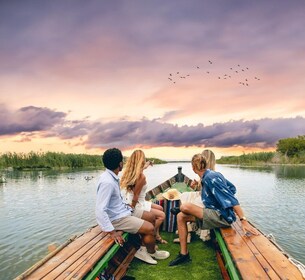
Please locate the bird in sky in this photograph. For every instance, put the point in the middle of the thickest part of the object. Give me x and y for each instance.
(239, 73)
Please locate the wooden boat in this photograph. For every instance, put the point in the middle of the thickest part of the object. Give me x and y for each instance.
(93, 254)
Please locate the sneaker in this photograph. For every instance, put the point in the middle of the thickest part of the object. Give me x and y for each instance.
(180, 259)
(160, 255)
(143, 255)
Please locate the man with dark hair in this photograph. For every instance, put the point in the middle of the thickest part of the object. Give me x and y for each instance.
(112, 158)
(114, 216)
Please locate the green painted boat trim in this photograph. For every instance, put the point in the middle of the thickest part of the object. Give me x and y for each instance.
(103, 263)
(234, 275)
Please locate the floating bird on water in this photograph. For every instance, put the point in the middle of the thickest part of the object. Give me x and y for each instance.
(2, 179)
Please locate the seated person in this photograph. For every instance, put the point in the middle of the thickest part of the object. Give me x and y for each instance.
(221, 207)
(133, 189)
(114, 216)
(195, 197)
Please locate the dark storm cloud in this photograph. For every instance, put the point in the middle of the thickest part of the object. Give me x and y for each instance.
(72, 129)
(128, 134)
(146, 133)
(28, 119)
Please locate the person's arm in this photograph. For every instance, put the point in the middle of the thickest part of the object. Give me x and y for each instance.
(141, 181)
(148, 163)
(102, 201)
(195, 185)
(244, 222)
(231, 186)
(103, 198)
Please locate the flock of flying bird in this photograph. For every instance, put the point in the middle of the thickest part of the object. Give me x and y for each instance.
(236, 71)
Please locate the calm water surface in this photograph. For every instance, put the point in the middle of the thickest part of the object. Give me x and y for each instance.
(40, 208)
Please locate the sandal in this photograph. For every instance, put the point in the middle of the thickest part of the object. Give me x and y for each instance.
(160, 240)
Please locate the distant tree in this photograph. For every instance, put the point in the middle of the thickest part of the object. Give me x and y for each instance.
(291, 146)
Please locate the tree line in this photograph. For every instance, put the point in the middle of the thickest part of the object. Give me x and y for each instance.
(288, 151)
(52, 160)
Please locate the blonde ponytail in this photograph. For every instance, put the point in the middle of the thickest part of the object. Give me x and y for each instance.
(199, 162)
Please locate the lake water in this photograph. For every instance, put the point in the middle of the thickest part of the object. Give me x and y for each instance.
(42, 207)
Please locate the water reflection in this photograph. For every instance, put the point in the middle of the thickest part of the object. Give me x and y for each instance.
(289, 171)
(281, 171)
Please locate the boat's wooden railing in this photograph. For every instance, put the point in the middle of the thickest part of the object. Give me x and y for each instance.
(253, 257)
(84, 258)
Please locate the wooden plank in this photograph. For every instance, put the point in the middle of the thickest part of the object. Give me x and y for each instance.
(273, 261)
(25, 274)
(279, 262)
(100, 244)
(121, 270)
(64, 254)
(103, 263)
(224, 272)
(246, 262)
(260, 258)
(232, 270)
(84, 264)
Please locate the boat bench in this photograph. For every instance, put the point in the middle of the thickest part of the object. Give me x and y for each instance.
(85, 258)
(254, 257)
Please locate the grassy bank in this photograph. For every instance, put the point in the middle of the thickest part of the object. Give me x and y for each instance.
(52, 160)
(48, 160)
(263, 158)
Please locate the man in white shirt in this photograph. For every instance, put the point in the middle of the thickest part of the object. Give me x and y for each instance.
(114, 216)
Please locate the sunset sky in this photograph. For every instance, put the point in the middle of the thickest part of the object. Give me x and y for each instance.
(83, 76)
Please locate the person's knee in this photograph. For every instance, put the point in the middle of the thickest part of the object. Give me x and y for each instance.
(160, 215)
(184, 207)
(150, 228)
(151, 218)
(180, 217)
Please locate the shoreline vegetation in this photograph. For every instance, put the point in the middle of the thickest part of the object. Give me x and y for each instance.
(261, 158)
(53, 160)
(288, 151)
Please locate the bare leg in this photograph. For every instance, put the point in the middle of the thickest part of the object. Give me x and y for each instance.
(157, 210)
(182, 220)
(147, 231)
(188, 213)
(149, 217)
(192, 209)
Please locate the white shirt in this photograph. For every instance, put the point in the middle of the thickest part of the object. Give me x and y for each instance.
(109, 202)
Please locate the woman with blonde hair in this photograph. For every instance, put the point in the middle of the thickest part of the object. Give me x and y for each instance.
(195, 197)
(133, 189)
(221, 207)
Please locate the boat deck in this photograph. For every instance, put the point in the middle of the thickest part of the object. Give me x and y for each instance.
(256, 257)
(84, 258)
